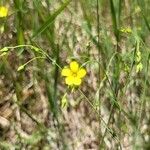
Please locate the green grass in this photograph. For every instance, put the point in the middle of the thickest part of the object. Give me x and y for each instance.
(110, 110)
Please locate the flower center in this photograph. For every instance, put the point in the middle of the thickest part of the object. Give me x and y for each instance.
(74, 74)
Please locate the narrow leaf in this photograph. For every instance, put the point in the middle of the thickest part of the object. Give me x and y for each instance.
(51, 18)
(5, 49)
(20, 67)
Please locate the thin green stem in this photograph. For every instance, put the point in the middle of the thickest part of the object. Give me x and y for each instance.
(105, 124)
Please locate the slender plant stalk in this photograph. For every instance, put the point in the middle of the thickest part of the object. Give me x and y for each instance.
(99, 70)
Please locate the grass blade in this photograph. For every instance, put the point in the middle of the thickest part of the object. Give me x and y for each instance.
(141, 4)
(51, 18)
(114, 19)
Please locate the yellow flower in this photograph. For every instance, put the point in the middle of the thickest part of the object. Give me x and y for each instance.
(126, 30)
(3, 11)
(73, 74)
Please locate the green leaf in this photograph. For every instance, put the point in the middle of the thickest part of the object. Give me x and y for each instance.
(142, 8)
(116, 14)
(51, 18)
(5, 49)
(3, 54)
(20, 68)
(114, 18)
(139, 67)
(64, 101)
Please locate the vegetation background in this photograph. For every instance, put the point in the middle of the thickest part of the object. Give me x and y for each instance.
(110, 109)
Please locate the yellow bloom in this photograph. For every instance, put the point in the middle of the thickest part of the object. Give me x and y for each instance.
(126, 30)
(73, 74)
(3, 11)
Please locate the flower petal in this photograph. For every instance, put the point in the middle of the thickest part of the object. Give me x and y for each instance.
(81, 73)
(74, 66)
(3, 11)
(66, 72)
(77, 81)
(69, 80)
